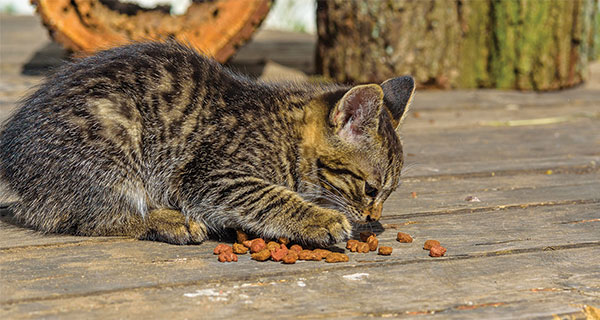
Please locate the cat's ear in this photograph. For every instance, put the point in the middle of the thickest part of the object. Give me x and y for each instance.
(398, 93)
(357, 111)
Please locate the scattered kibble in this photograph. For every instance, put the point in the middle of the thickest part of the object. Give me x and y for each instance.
(241, 236)
(362, 247)
(220, 248)
(257, 245)
(296, 247)
(430, 243)
(278, 254)
(334, 257)
(413, 195)
(373, 242)
(290, 258)
(272, 245)
(227, 256)
(262, 255)
(320, 254)
(283, 240)
(385, 251)
(239, 248)
(307, 255)
(404, 237)
(437, 251)
(365, 235)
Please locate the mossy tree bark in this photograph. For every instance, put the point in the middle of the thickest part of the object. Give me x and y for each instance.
(521, 44)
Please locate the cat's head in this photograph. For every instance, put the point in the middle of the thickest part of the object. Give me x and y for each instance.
(356, 149)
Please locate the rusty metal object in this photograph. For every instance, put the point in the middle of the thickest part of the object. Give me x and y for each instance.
(217, 28)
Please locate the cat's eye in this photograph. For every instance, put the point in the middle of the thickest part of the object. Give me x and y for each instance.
(370, 191)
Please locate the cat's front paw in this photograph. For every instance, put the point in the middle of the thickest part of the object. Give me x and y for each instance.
(326, 228)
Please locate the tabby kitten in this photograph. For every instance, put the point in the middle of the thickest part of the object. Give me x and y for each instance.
(157, 142)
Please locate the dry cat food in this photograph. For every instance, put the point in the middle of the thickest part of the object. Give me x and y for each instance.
(241, 236)
(222, 248)
(307, 255)
(362, 247)
(272, 245)
(351, 244)
(290, 258)
(365, 235)
(320, 254)
(430, 243)
(333, 257)
(437, 251)
(227, 256)
(404, 237)
(283, 240)
(296, 247)
(385, 251)
(257, 245)
(263, 255)
(239, 248)
(279, 253)
(373, 242)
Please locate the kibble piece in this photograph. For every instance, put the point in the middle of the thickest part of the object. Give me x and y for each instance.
(336, 257)
(437, 251)
(306, 255)
(262, 255)
(362, 247)
(247, 243)
(404, 237)
(413, 195)
(385, 251)
(241, 236)
(373, 242)
(290, 258)
(284, 240)
(320, 254)
(257, 245)
(221, 247)
(430, 243)
(365, 235)
(296, 247)
(239, 248)
(351, 243)
(227, 256)
(272, 245)
(278, 254)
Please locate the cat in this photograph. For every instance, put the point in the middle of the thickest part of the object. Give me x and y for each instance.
(156, 141)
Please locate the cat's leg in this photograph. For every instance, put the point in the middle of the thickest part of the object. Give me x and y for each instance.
(172, 226)
(273, 211)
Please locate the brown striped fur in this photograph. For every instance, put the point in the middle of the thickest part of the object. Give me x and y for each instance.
(157, 142)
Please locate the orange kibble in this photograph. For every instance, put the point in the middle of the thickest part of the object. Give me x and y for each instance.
(239, 248)
(437, 251)
(296, 247)
(227, 256)
(222, 248)
(257, 245)
(404, 237)
(373, 242)
(430, 243)
(385, 251)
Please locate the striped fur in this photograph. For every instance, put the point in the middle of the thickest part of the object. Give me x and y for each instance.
(157, 142)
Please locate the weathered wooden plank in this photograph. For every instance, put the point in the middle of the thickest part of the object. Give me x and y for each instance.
(523, 285)
(38, 273)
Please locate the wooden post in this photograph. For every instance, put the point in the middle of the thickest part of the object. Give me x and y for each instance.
(509, 44)
(216, 28)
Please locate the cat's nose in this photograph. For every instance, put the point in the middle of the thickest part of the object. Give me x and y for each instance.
(374, 212)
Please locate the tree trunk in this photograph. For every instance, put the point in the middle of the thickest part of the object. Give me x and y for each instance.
(520, 44)
(216, 28)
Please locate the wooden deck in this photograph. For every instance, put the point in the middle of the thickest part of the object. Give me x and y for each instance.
(529, 249)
